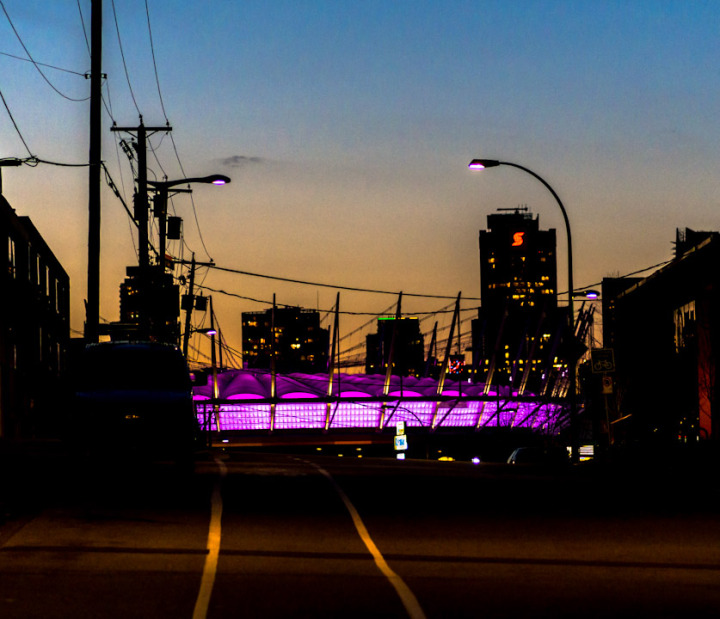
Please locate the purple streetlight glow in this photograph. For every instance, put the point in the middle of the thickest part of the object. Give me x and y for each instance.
(481, 164)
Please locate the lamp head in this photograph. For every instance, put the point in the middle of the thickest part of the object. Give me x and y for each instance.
(481, 164)
(214, 179)
(218, 179)
(586, 294)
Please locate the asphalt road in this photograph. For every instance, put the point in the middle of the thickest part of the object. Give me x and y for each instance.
(260, 535)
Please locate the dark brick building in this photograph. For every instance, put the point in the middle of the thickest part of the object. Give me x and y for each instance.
(665, 332)
(34, 330)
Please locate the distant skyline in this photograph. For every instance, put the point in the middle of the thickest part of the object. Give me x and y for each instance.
(347, 128)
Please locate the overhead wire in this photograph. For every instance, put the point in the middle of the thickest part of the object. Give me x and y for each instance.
(172, 139)
(344, 312)
(84, 29)
(336, 286)
(122, 54)
(152, 50)
(43, 64)
(35, 64)
(17, 129)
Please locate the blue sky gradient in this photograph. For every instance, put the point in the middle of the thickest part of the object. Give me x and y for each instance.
(347, 128)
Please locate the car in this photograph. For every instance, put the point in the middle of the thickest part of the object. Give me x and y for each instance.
(135, 397)
(539, 455)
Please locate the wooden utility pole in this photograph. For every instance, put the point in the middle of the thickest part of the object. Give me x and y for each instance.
(141, 218)
(141, 195)
(92, 315)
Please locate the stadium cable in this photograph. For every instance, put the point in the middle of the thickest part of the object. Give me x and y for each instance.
(122, 54)
(337, 287)
(35, 64)
(237, 296)
(17, 129)
(42, 64)
(367, 324)
(152, 50)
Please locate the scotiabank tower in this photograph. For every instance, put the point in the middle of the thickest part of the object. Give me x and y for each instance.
(518, 286)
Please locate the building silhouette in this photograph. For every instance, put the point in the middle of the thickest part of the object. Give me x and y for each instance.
(665, 334)
(408, 357)
(149, 306)
(519, 323)
(299, 343)
(34, 332)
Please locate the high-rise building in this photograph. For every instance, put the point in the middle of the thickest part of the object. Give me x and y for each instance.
(518, 267)
(519, 319)
(151, 303)
(409, 351)
(300, 343)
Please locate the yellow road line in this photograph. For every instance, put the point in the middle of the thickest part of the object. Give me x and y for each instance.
(412, 606)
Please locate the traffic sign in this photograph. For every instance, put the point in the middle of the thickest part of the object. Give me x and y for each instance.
(401, 443)
(602, 360)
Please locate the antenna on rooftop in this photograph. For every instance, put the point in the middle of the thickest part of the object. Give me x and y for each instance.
(520, 208)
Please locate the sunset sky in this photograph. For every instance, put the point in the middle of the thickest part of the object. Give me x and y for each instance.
(347, 128)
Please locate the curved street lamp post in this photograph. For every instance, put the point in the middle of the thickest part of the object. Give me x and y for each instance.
(481, 164)
(163, 191)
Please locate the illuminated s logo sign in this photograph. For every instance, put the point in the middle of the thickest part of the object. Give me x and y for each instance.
(518, 239)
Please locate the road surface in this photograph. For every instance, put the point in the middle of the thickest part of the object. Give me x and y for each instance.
(265, 535)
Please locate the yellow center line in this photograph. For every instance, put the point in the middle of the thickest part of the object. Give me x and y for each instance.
(407, 597)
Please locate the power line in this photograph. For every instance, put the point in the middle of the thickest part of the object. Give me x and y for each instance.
(122, 54)
(337, 287)
(17, 129)
(43, 64)
(192, 201)
(82, 21)
(35, 64)
(244, 298)
(152, 49)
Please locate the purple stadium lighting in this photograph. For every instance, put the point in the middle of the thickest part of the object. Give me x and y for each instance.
(245, 404)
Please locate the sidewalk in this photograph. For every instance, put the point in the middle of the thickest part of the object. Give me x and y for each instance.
(26, 468)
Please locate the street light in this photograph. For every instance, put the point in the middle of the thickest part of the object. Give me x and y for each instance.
(163, 188)
(587, 294)
(481, 164)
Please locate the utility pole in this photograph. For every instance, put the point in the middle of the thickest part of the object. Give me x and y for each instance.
(92, 316)
(141, 195)
(189, 300)
(141, 217)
